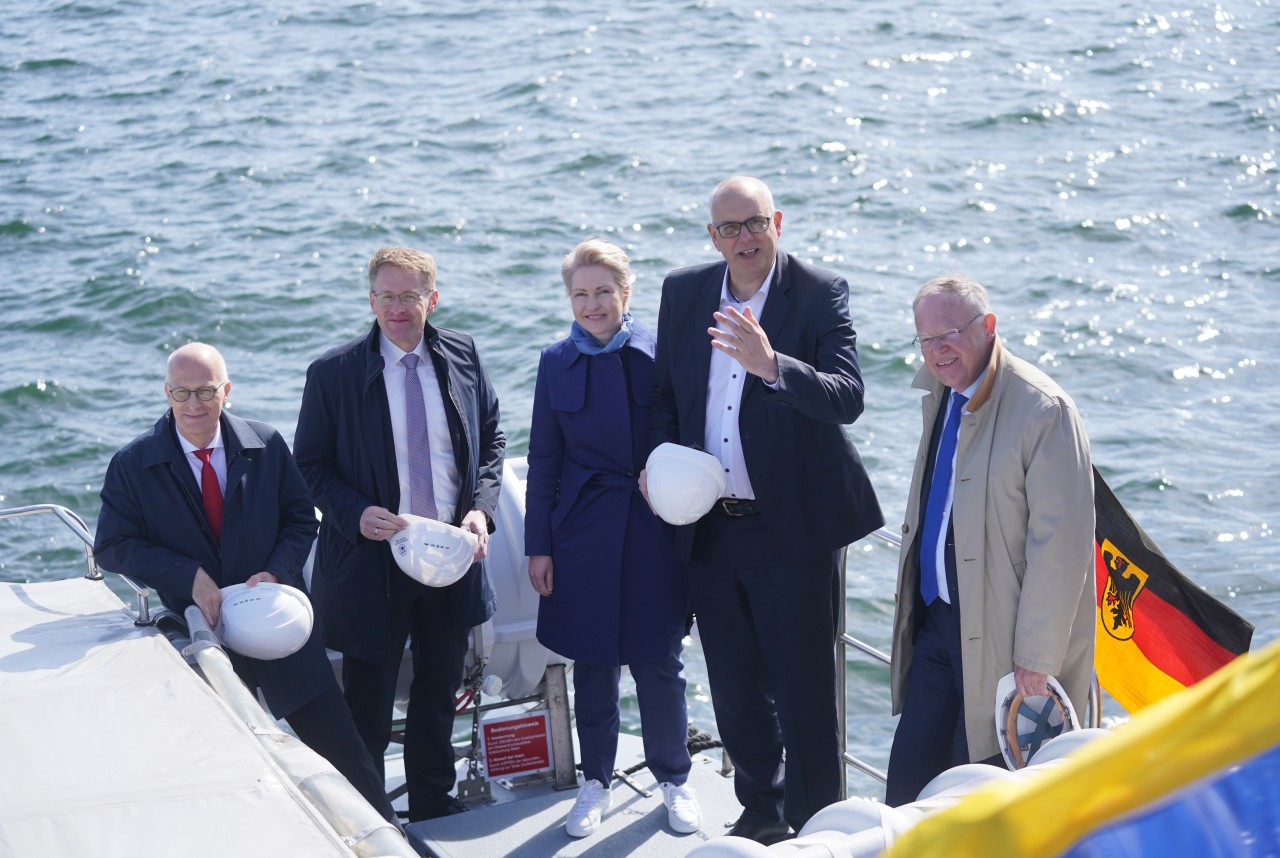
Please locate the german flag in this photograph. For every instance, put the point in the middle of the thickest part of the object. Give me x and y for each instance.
(1157, 631)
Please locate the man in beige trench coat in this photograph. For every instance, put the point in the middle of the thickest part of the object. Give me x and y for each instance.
(996, 570)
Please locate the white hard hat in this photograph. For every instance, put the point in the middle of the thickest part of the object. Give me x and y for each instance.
(1023, 724)
(266, 621)
(683, 482)
(432, 552)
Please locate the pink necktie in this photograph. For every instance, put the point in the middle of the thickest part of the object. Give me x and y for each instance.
(422, 495)
(210, 493)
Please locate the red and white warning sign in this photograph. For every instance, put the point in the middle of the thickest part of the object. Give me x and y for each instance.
(516, 744)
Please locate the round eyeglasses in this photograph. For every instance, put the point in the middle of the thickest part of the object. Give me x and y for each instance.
(182, 394)
(412, 300)
(946, 338)
(733, 228)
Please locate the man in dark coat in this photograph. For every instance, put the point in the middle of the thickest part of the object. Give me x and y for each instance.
(757, 364)
(402, 420)
(156, 526)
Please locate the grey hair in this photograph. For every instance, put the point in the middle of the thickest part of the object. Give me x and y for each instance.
(965, 288)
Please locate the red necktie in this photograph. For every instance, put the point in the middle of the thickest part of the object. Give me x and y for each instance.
(210, 493)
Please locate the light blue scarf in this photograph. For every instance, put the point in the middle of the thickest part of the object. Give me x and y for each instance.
(589, 345)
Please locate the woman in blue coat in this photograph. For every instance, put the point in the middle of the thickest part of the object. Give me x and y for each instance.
(613, 591)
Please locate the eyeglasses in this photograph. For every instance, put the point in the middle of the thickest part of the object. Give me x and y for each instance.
(948, 338)
(182, 394)
(732, 228)
(411, 300)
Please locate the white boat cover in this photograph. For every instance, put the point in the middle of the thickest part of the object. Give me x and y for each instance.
(110, 745)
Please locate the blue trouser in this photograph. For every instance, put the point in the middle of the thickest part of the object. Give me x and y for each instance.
(931, 732)
(664, 718)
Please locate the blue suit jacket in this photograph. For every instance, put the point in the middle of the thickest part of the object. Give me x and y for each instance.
(346, 453)
(153, 528)
(620, 596)
(810, 485)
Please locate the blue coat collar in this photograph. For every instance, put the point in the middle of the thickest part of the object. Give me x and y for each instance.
(642, 340)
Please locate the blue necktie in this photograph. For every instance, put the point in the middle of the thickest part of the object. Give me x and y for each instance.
(938, 500)
(422, 494)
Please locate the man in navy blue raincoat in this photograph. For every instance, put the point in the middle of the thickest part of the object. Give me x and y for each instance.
(155, 527)
(359, 453)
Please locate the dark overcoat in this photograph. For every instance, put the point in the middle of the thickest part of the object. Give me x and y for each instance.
(153, 528)
(347, 455)
(619, 594)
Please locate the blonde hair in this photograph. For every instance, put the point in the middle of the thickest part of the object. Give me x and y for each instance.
(595, 251)
(407, 259)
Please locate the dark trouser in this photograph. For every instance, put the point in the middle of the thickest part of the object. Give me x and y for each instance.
(664, 718)
(325, 726)
(931, 733)
(768, 631)
(420, 614)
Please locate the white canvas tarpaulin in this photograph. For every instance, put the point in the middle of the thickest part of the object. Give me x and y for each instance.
(111, 745)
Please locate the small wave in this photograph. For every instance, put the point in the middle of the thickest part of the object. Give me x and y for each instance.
(1248, 211)
(84, 10)
(34, 393)
(138, 94)
(41, 65)
(16, 227)
(518, 90)
(588, 162)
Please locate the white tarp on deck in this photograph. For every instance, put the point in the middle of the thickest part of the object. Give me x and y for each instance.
(110, 745)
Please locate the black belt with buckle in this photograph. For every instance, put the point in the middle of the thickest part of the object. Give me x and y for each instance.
(738, 508)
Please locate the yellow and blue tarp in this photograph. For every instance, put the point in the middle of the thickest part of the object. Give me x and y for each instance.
(1197, 773)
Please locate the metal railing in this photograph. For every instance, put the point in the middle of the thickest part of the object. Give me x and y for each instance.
(76, 525)
(845, 641)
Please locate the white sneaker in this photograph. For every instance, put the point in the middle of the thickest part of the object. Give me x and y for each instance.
(683, 814)
(594, 798)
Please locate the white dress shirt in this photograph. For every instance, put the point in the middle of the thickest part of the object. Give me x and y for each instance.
(721, 437)
(218, 459)
(444, 469)
(940, 563)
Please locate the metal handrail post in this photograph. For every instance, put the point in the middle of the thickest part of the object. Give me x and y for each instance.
(842, 681)
(77, 526)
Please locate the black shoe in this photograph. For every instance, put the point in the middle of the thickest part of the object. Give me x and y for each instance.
(764, 832)
(446, 806)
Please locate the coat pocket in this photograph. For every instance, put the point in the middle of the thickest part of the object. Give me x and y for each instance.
(834, 455)
(568, 391)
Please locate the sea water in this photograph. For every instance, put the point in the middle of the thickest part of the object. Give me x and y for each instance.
(221, 171)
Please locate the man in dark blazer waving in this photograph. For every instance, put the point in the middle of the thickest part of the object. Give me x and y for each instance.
(757, 364)
(401, 420)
